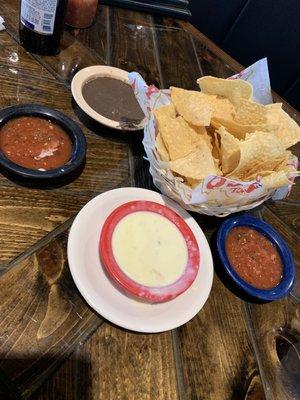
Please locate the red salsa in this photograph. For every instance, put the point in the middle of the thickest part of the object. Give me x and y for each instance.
(35, 143)
(254, 258)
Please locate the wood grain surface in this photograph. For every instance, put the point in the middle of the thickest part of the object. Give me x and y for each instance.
(73, 56)
(215, 349)
(278, 323)
(231, 350)
(97, 36)
(210, 64)
(177, 57)
(131, 32)
(17, 60)
(115, 364)
(128, 365)
(29, 213)
(43, 317)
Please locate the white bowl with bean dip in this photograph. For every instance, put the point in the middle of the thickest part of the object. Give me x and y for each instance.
(104, 93)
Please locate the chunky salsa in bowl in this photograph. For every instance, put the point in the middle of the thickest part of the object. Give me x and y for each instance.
(38, 142)
(256, 257)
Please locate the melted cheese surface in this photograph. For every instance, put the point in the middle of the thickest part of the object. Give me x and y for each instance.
(149, 249)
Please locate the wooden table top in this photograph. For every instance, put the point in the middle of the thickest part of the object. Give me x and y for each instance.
(52, 345)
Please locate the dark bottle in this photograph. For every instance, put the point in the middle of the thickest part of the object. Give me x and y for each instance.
(42, 24)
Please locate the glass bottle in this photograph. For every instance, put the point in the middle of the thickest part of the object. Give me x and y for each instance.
(42, 24)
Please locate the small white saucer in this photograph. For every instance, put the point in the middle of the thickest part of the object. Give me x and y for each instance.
(103, 296)
(95, 71)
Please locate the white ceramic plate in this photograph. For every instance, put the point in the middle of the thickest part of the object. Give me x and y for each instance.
(108, 300)
(93, 72)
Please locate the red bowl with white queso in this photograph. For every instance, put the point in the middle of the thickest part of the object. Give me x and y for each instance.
(149, 251)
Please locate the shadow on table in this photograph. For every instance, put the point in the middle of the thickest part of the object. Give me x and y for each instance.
(102, 130)
(71, 381)
(50, 183)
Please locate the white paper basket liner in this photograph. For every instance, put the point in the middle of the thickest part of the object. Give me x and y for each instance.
(2, 27)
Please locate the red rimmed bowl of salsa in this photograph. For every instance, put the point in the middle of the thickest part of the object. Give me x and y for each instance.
(39, 142)
(256, 257)
(149, 251)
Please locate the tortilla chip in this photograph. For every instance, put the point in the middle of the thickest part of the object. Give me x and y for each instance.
(285, 166)
(215, 143)
(221, 131)
(192, 106)
(178, 137)
(273, 164)
(275, 180)
(233, 89)
(217, 162)
(192, 182)
(167, 111)
(288, 130)
(200, 130)
(274, 105)
(230, 151)
(222, 108)
(161, 148)
(197, 165)
(257, 148)
(202, 133)
(239, 130)
(256, 176)
(250, 113)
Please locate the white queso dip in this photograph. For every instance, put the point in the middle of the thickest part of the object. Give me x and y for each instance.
(149, 248)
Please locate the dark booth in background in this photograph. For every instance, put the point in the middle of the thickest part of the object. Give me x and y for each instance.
(251, 29)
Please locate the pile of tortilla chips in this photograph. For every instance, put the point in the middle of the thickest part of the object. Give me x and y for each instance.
(221, 131)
